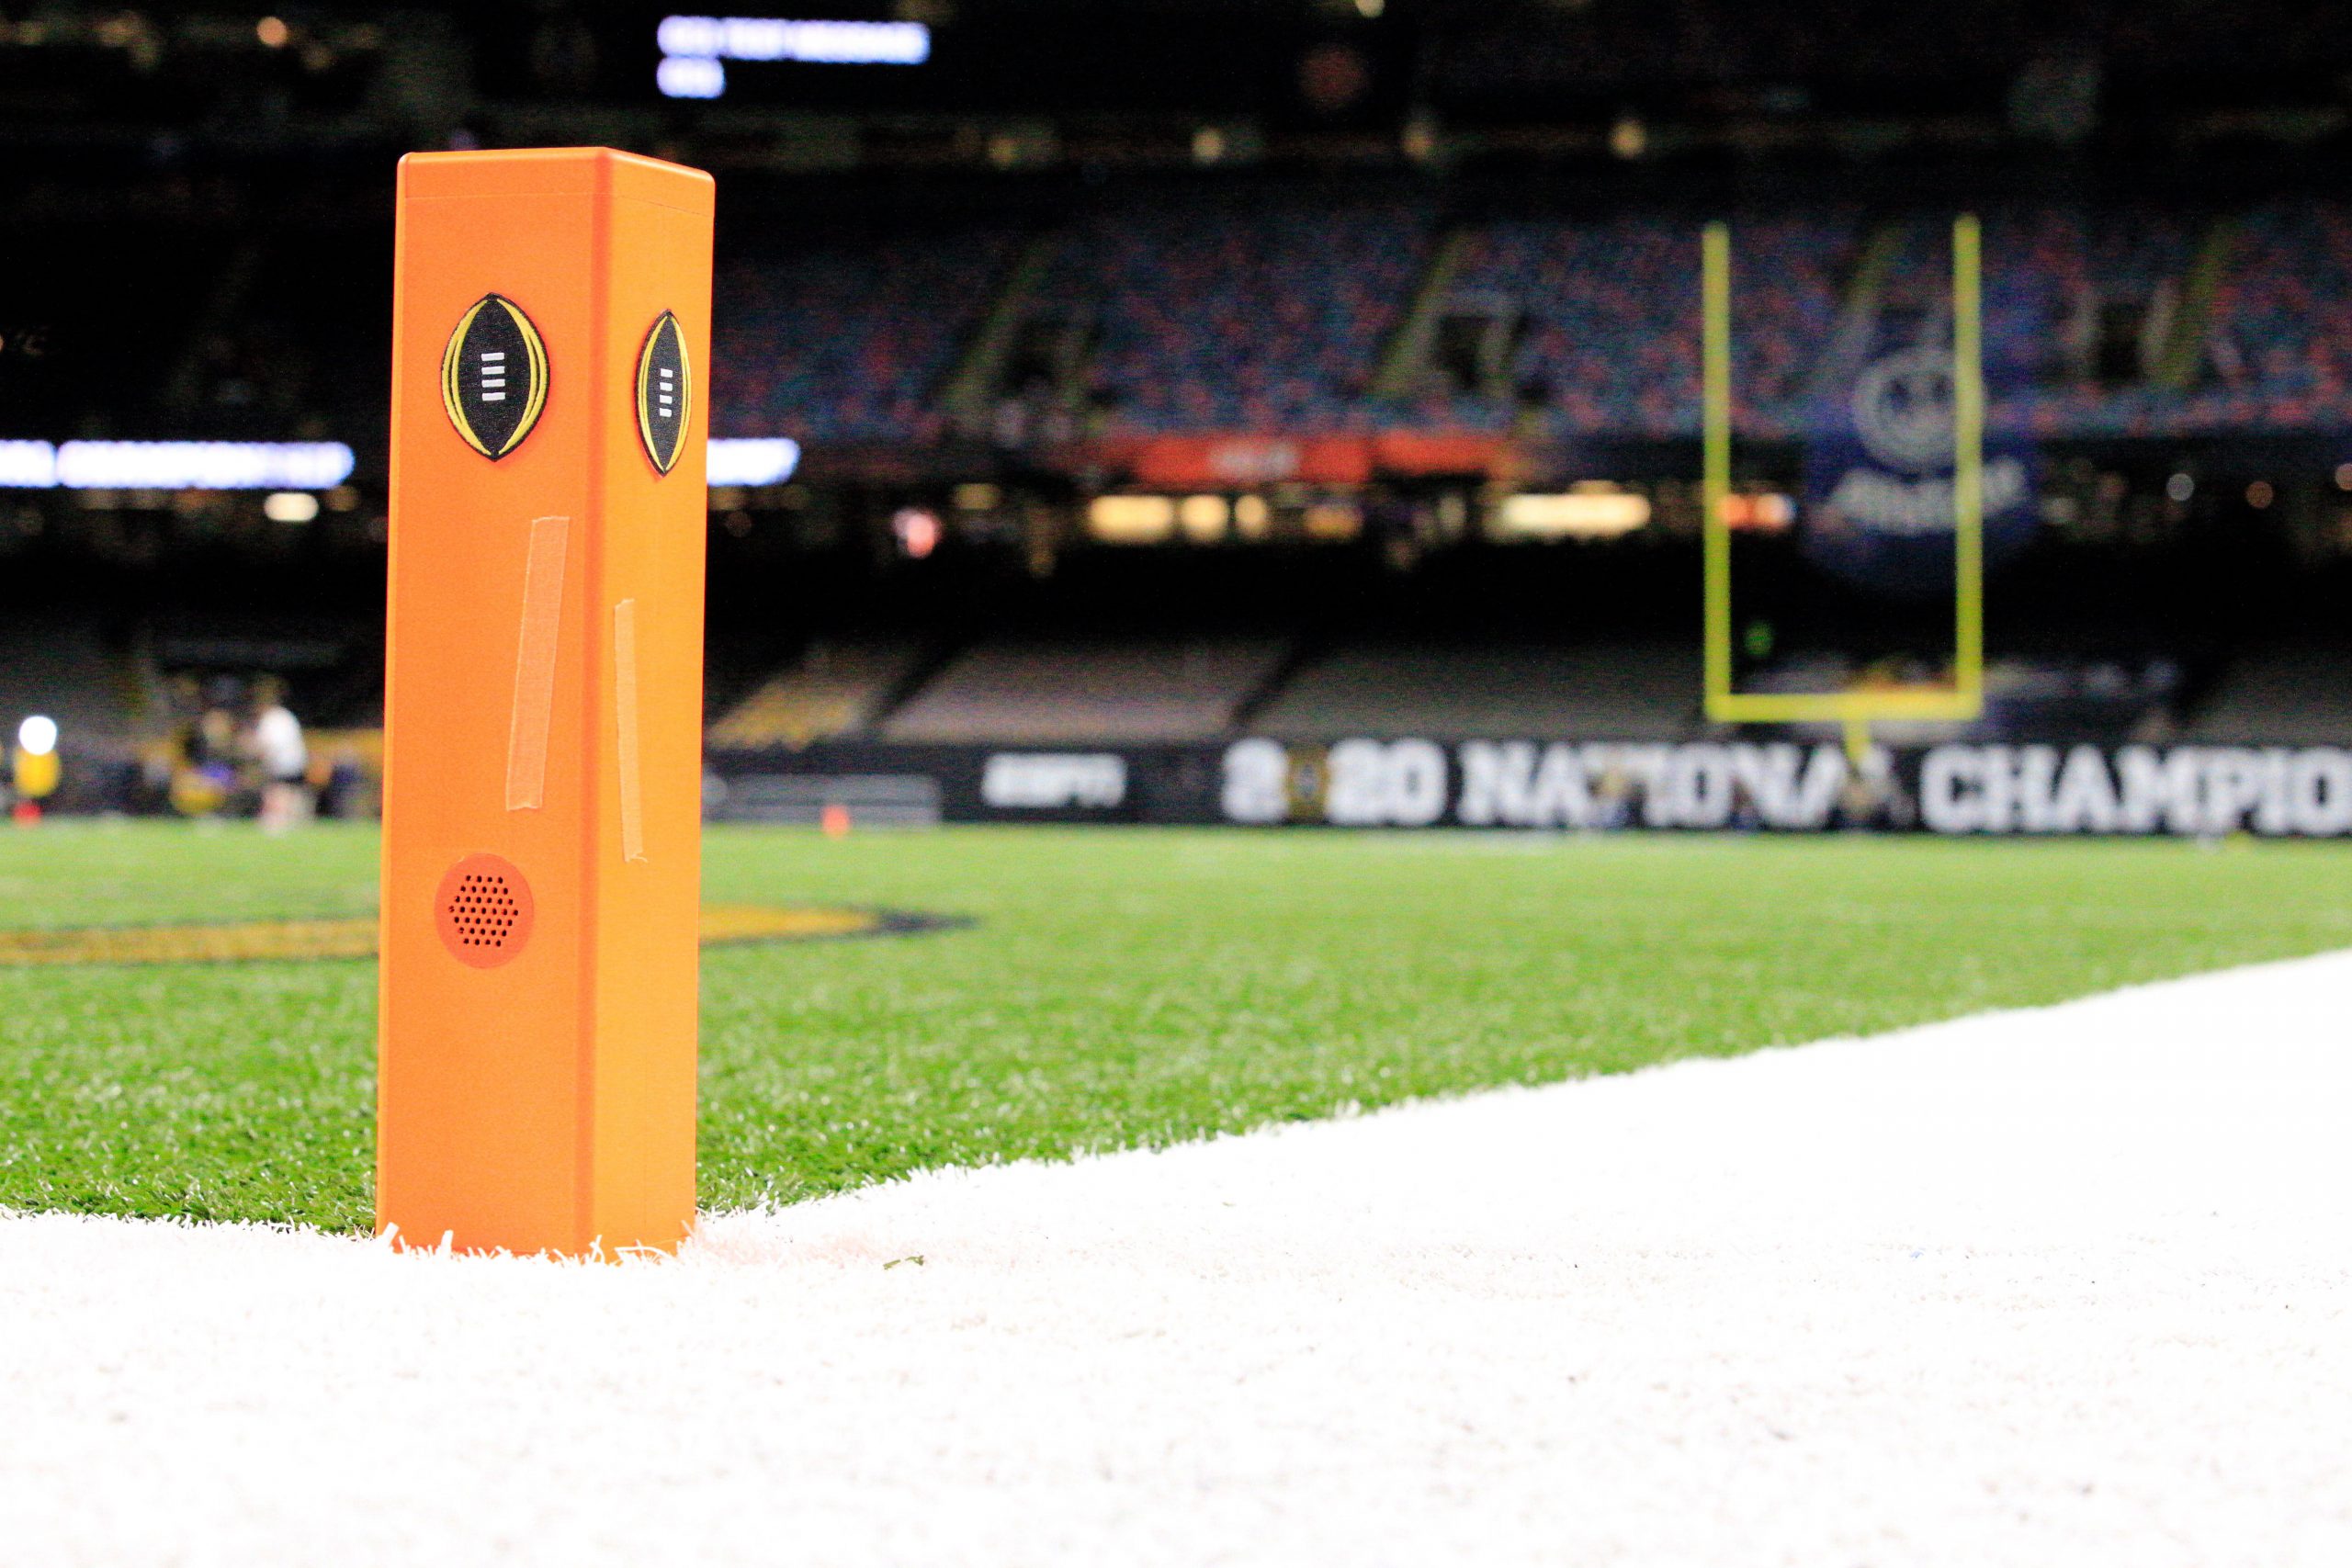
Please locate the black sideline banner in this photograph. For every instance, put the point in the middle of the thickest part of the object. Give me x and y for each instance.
(1585, 785)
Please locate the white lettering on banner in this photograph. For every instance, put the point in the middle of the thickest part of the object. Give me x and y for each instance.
(1888, 504)
(1517, 783)
(2158, 791)
(2086, 800)
(1825, 775)
(1559, 792)
(2275, 812)
(1053, 781)
(2206, 790)
(2002, 789)
(1770, 773)
(1699, 786)
(1378, 783)
(2232, 788)
(1943, 806)
(1645, 767)
(2270, 813)
(2000, 777)
(1416, 782)
(1963, 787)
(2319, 792)
(1496, 777)
(1357, 794)
(1257, 782)
(1504, 784)
(2037, 769)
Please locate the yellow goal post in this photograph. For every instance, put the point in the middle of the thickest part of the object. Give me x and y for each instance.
(1963, 697)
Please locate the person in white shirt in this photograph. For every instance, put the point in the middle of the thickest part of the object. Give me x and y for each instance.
(284, 761)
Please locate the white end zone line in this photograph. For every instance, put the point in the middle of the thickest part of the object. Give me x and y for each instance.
(2072, 1285)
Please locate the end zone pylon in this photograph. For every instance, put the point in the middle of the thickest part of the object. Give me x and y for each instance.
(543, 702)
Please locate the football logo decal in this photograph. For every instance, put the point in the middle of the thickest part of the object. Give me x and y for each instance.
(664, 392)
(494, 376)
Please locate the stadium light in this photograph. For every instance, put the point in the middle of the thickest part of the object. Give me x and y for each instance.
(1574, 514)
(690, 76)
(693, 46)
(175, 465)
(28, 465)
(1131, 519)
(769, 460)
(810, 42)
(36, 736)
(203, 464)
(286, 465)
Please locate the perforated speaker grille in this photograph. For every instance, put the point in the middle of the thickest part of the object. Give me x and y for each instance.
(483, 909)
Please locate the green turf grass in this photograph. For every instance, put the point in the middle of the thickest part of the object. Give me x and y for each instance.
(1116, 989)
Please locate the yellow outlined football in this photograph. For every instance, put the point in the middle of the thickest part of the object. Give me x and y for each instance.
(494, 376)
(664, 392)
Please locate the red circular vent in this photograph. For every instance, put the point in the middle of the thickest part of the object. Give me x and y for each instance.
(483, 910)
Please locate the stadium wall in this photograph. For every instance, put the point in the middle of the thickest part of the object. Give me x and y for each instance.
(1770, 785)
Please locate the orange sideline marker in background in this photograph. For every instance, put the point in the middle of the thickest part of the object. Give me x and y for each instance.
(543, 702)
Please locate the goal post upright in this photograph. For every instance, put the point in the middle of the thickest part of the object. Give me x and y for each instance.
(1716, 458)
(1963, 698)
(1967, 460)
(543, 696)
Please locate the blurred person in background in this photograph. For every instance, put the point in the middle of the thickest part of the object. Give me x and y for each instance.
(212, 749)
(199, 767)
(284, 760)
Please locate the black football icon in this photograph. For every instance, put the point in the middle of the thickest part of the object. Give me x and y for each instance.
(494, 376)
(664, 392)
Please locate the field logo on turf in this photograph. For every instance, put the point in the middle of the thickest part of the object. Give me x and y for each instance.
(245, 941)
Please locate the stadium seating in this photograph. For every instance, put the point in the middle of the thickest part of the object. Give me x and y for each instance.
(60, 665)
(2282, 693)
(1212, 318)
(850, 339)
(2283, 357)
(2113, 699)
(1273, 318)
(2041, 266)
(835, 690)
(1138, 690)
(1613, 308)
(1594, 690)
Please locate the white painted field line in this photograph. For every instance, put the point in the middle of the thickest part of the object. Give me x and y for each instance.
(2067, 1286)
